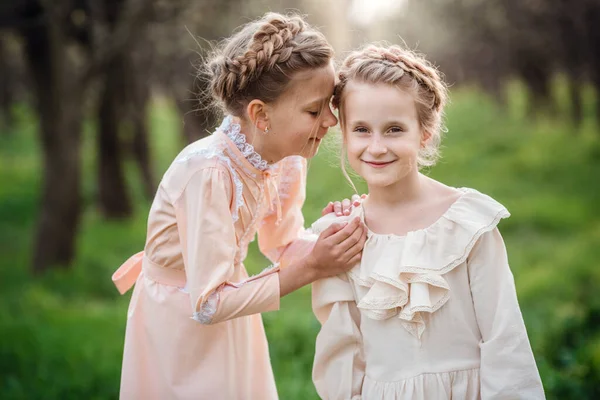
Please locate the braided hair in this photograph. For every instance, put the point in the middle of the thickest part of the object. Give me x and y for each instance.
(259, 61)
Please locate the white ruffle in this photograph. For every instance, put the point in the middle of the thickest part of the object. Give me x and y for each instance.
(207, 309)
(405, 274)
(233, 132)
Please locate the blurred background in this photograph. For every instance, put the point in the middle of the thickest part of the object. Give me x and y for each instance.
(97, 97)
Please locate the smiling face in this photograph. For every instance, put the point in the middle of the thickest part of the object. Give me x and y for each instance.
(381, 132)
(301, 117)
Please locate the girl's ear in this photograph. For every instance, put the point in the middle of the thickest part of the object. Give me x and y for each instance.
(257, 114)
(425, 137)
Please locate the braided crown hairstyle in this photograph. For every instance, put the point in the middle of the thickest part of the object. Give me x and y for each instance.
(408, 71)
(259, 61)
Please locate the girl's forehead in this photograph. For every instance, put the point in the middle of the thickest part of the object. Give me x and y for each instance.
(312, 85)
(368, 101)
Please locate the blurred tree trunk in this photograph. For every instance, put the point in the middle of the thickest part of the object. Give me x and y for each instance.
(575, 93)
(593, 35)
(59, 108)
(596, 83)
(537, 76)
(113, 198)
(199, 120)
(123, 109)
(569, 24)
(122, 106)
(140, 145)
(192, 96)
(52, 32)
(6, 91)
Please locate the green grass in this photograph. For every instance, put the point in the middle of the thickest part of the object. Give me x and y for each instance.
(61, 334)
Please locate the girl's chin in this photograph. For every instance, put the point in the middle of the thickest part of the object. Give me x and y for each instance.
(312, 149)
(381, 181)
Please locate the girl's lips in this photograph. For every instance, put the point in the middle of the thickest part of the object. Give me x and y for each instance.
(378, 164)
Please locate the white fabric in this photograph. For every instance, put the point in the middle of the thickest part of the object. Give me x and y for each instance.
(433, 315)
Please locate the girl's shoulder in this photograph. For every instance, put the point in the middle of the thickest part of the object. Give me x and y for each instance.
(196, 161)
(462, 206)
(203, 153)
(329, 219)
(473, 207)
(469, 215)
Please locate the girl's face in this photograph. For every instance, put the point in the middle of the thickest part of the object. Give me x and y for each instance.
(300, 118)
(381, 132)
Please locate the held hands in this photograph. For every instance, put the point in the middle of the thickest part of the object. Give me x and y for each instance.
(344, 207)
(338, 248)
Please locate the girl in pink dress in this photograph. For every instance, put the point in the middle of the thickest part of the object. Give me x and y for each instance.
(194, 329)
(430, 311)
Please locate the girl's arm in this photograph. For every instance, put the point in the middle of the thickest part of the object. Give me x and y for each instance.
(209, 247)
(339, 366)
(508, 368)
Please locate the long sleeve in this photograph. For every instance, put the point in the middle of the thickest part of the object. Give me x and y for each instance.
(286, 240)
(208, 244)
(339, 366)
(508, 368)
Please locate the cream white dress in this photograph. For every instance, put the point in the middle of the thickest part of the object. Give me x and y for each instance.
(429, 315)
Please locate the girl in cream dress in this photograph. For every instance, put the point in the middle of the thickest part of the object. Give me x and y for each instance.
(430, 312)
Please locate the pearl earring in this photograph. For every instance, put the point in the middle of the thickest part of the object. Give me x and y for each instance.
(267, 129)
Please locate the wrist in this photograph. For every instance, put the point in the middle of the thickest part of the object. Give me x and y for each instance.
(311, 267)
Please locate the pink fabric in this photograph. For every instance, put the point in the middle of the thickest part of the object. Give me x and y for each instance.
(124, 278)
(194, 329)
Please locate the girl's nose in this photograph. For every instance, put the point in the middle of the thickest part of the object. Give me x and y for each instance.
(329, 119)
(376, 147)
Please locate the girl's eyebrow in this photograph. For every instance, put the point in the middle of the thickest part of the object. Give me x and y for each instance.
(358, 122)
(395, 122)
(388, 123)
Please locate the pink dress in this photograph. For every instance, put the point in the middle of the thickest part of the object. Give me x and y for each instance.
(194, 329)
(429, 315)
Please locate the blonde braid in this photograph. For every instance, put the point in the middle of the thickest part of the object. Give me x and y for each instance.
(257, 62)
(270, 45)
(419, 68)
(407, 62)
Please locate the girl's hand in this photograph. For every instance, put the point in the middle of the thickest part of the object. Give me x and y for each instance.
(338, 248)
(344, 207)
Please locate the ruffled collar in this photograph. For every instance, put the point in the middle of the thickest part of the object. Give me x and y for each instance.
(233, 132)
(460, 208)
(404, 275)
